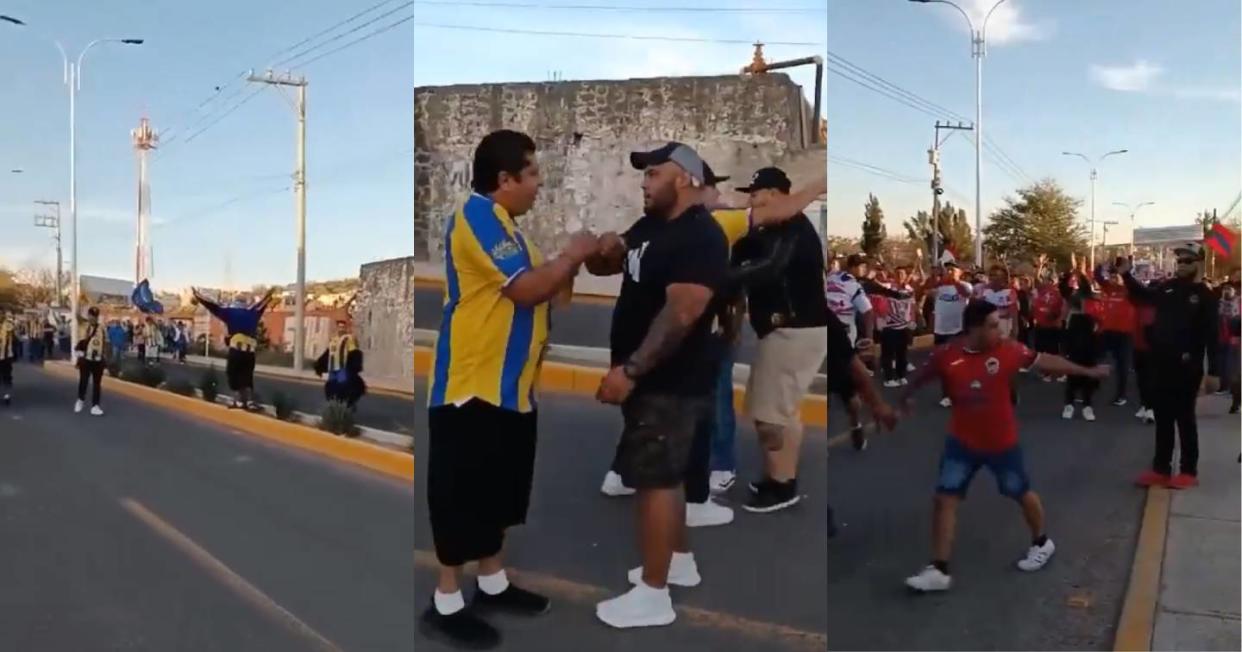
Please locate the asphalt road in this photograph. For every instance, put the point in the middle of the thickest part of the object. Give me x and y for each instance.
(382, 411)
(111, 525)
(883, 497)
(764, 576)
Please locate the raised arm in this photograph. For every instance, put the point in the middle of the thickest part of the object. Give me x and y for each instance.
(786, 207)
(1055, 365)
(211, 306)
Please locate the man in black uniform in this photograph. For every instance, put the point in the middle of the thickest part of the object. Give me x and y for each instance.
(1184, 332)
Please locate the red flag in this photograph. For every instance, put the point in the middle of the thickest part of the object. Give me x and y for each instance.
(1221, 239)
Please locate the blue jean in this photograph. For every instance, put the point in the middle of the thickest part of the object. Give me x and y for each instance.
(724, 431)
(958, 465)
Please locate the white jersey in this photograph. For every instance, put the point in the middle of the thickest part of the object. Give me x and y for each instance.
(1006, 300)
(900, 311)
(847, 300)
(951, 299)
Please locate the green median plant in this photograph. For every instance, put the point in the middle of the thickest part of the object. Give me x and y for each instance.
(338, 419)
(209, 384)
(285, 406)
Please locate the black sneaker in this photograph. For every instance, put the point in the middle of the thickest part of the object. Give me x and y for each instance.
(463, 629)
(858, 437)
(761, 485)
(774, 497)
(1121, 400)
(513, 600)
(1233, 407)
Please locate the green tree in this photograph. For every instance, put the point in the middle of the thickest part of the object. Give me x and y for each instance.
(1042, 219)
(9, 296)
(873, 229)
(954, 229)
(261, 335)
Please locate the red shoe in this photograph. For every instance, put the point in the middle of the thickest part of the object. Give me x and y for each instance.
(1183, 481)
(1150, 478)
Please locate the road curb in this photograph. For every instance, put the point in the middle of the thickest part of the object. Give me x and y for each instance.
(582, 380)
(369, 456)
(1138, 611)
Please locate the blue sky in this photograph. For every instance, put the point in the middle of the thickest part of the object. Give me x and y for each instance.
(1158, 78)
(219, 204)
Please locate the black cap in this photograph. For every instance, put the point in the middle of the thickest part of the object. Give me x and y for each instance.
(711, 179)
(770, 178)
(672, 152)
(856, 259)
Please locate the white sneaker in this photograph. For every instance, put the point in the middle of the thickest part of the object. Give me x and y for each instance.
(721, 481)
(892, 383)
(77, 407)
(1060, 379)
(909, 367)
(930, 579)
(613, 486)
(707, 514)
(1141, 413)
(904, 382)
(683, 571)
(1150, 417)
(1037, 556)
(642, 606)
(1088, 413)
(97, 411)
(1068, 412)
(946, 402)
(1024, 370)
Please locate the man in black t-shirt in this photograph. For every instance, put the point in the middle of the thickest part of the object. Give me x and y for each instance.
(663, 369)
(789, 312)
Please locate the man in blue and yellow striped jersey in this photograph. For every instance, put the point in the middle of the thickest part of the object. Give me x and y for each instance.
(482, 416)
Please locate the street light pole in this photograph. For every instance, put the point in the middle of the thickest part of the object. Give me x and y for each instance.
(72, 75)
(1094, 174)
(1133, 211)
(978, 41)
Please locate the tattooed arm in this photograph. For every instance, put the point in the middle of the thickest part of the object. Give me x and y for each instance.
(684, 303)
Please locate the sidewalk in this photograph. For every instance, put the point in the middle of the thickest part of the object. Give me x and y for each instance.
(1198, 603)
(396, 386)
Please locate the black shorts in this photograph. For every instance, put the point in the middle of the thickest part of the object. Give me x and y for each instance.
(1048, 340)
(479, 471)
(654, 451)
(240, 370)
(6, 372)
(842, 385)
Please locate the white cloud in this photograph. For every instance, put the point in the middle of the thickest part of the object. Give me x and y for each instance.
(1137, 77)
(1007, 24)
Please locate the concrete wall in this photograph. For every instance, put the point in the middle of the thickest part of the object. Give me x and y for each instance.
(585, 130)
(384, 318)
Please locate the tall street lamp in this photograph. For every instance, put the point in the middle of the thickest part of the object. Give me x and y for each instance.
(72, 77)
(978, 41)
(1094, 164)
(1133, 211)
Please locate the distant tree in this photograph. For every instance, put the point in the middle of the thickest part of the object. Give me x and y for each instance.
(1042, 219)
(264, 339)
(954, 230)
(9, 296)
(873, 229)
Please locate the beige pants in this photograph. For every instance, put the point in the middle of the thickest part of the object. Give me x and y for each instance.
(785, 365)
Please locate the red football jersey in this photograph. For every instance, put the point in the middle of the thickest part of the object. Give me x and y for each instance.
(978, 382)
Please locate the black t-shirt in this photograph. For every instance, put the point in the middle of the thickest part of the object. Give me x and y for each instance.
(796, 298)
(689, 249)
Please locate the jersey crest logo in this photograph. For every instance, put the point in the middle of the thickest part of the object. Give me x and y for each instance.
(505, 249)
(992, 365)
(1194, 299)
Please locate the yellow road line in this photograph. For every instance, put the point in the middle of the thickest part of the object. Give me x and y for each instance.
(249, 593)
(396, 464)
(583, 380)
(1138, 612)
(587, 595)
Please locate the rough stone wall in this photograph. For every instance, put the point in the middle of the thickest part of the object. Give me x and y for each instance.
(384, 318)
(584, 131)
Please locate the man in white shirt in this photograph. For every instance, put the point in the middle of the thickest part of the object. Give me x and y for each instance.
(847, 301)
(950, 295)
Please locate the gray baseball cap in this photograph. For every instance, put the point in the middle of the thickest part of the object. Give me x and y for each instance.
(683, 155)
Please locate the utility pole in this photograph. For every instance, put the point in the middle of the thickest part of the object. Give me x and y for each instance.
(53, 222)
(299, 189)
(933, 157)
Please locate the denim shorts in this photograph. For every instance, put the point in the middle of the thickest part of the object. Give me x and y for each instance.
(958, 465)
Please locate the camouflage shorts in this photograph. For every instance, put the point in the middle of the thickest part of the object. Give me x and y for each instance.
(655, 445)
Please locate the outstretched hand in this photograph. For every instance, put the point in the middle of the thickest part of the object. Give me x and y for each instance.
(885, 415)
(1099, 372)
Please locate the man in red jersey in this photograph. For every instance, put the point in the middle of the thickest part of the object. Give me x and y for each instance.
(977, 371)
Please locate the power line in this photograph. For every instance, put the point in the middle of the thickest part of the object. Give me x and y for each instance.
(873, 169)
(354, 42)
(222, 205)
(635, 37)
(331, 28)
(635, 8)
(342, 35)
(224, 115)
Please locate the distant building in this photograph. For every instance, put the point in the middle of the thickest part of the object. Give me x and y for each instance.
(102, 290)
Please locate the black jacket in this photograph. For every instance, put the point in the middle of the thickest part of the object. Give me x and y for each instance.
(1186, 328)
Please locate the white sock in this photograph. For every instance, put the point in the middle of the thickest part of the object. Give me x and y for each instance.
(448, 604)
(494, 584)
(681, 558)
(649, 592)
